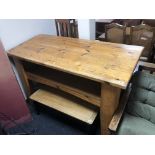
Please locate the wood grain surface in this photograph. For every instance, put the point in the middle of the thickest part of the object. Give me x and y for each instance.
(95, 60)
(72, 108)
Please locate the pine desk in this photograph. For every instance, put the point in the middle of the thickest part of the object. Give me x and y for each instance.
(108, 66)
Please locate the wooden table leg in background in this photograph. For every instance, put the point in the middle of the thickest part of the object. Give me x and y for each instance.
(109, 102)
(23, 76)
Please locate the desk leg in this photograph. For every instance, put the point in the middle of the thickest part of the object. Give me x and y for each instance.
(109, 102)
(22, 76)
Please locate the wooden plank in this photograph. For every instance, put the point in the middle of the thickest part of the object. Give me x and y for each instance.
(80, 83)
(74, 91)
(64, 105)
(109, 102)
(22, 76)
(95, 60)
(120, 110)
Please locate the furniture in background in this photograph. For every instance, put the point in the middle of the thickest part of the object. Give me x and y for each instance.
(101, 23)
(129, 22)
(13, 108)
(77, 83)
(134, 32)
(66, 28)
(151, 22)
(139, 115)
(143, 35)
(100, 28)
(115, 33)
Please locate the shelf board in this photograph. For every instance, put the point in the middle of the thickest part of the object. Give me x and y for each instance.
(65, 105)
(86, 85)
(71, 88)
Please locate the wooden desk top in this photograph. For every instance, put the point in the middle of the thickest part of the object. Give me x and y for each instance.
(99, 61)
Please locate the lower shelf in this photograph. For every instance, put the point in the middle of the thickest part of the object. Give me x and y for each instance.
(65, 105)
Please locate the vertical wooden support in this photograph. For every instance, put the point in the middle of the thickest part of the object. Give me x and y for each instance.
(23, 76)
(109, 101)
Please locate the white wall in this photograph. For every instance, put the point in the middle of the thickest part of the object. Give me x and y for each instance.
(86, 29)
(13, 32)
(92, 29)
(16, 31)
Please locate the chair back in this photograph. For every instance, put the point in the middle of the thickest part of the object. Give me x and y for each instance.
(115, 33)
(66, 28)
(142, 35)
(151, 23)
(128, 22)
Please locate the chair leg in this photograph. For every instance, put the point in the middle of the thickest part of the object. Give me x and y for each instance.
(151, 72)
(140, 68)
(153, 55)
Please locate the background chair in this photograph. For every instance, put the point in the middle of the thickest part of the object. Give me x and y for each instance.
(143, 35)
(115, 33)
(151, 22)
(100, 25)
(130, 22)
(139, 114)
(66, 28)
(100, 28)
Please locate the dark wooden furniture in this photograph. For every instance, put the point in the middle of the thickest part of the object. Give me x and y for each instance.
(129, 22)
(143, 35)
(100, 28)
(139, 87)
(66, 28)
(100, 25)
(92, 71)
(150, 22)
(13, 107)
(115, 33)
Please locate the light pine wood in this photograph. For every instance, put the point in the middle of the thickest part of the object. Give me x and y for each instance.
(64, 105)
(99, 61)
(74, 91)
(109, 103)
(110, 64)
(120, 110)
(22, 76)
